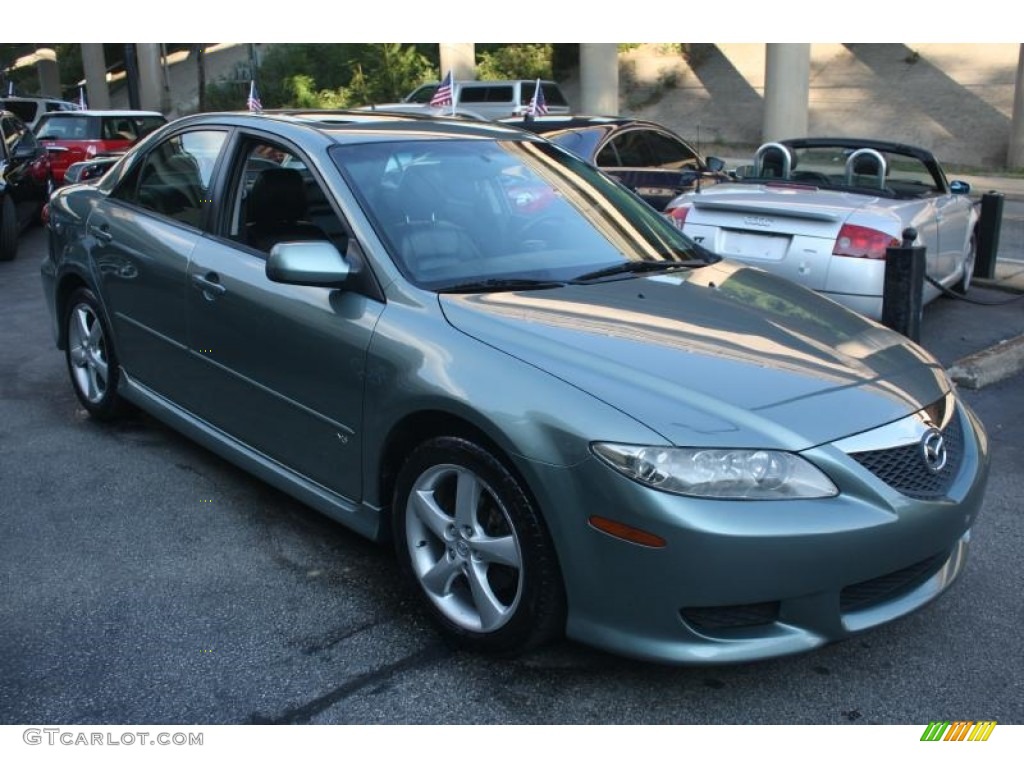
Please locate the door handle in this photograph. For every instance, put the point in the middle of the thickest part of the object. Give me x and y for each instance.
(101, 233)
(209, 284)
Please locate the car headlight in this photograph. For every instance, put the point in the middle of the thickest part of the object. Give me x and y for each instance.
(719, 473)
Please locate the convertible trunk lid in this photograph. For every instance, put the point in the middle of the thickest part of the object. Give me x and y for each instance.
(788, 229)
(722, 355)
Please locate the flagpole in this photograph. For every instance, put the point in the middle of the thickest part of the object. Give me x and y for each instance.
(455, 91)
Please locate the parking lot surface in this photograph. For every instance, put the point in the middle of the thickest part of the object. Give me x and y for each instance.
(145, 580)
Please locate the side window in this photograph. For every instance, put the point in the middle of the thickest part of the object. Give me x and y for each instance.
(276, 199)
(633, 150)
(608, 157)
(669, 153)
(174, 179)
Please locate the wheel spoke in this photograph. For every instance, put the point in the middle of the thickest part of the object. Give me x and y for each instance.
(438, 580)
(95, 334)
(430, 514)
(99, 365)
(82, 324)
(467, 499)
(491, 610)
(93, 391)
(500, 551)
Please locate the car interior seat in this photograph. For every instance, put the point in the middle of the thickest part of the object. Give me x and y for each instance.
(276, 210)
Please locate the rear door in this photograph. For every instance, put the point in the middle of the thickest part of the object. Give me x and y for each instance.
(144, 233)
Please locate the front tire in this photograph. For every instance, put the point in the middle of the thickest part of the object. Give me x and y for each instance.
(474, 546)
(92, 362)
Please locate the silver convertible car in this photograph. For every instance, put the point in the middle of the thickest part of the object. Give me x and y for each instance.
(822, 212)
(565, 415)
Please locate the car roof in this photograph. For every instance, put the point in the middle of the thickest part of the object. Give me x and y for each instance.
(107, 113)
(853, 143)
(355, 124)
(569, 122)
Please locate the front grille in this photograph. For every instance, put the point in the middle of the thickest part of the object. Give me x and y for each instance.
(904, 468)
(731, 616)
(857, 597)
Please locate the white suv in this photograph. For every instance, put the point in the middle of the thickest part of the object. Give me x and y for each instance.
(31, 108)
(495, 99)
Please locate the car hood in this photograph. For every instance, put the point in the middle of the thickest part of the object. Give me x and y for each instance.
(721, 356)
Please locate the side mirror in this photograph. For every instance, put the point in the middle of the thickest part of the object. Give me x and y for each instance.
(315, 262)
(715, 164)
(959, 187)
(25, 151)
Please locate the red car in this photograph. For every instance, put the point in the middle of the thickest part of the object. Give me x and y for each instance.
(71, 137)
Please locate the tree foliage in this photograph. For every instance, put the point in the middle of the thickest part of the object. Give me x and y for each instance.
(511, 62)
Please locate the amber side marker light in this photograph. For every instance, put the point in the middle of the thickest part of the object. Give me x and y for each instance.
(626, 532)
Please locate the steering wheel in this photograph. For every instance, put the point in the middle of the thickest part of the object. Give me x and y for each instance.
(536, 233)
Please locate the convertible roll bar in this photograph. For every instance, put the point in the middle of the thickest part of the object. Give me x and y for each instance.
(866, 152)
(787, 158)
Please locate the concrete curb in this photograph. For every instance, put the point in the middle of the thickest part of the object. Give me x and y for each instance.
(988, 366)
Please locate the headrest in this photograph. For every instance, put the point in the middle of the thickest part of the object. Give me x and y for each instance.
(279, 194)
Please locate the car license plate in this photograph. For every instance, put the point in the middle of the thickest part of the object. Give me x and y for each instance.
(754, 245)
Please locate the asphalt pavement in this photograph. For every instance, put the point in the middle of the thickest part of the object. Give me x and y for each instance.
(144, 580)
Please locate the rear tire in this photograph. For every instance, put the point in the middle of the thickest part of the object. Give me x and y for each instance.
(475, 548)
(8, 230)
(92, 362)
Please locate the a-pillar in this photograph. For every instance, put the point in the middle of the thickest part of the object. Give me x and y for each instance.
(95, 65)
(787, 87)
(460, 58)
(1015, 153)
(49, 74)
(599, 79)
(150, 79)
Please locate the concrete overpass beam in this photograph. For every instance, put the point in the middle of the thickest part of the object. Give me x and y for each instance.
(95, 65)
(599, 79)
(787, 86)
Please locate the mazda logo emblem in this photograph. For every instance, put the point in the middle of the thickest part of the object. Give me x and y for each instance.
(933, 448)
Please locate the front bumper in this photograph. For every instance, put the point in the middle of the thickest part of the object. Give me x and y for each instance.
(740, 581)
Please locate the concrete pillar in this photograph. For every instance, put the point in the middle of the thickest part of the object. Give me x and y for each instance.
(97, 94)
(787, 87)
(150, 76)
(1015, 153)
(49, 74)
(599, 79)
(460, 58)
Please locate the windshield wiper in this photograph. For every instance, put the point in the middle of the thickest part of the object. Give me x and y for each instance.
(501, 284)
(639, 267)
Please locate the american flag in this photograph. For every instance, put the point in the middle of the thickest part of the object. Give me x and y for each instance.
(443, 95)
(253, 102)
(538, 106)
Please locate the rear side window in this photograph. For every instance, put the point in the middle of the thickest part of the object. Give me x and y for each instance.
(553, 96)
(174, 180)
(118, 128)
(486, 94)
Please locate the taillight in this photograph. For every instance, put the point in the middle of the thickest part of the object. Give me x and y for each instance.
(678, 215)
(863, 242)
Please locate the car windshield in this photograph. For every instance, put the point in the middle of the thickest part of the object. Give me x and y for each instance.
(456, 212)
(866, 170)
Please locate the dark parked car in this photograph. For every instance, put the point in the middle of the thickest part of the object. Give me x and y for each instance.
(75, 136)
(566, 417)
(648, 158)
(24, 173)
